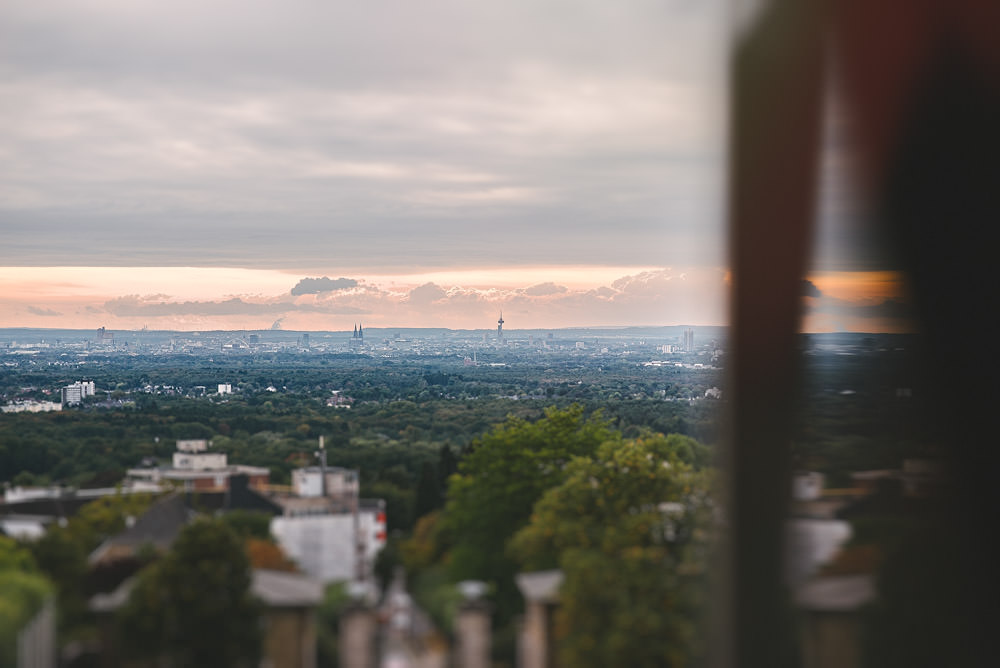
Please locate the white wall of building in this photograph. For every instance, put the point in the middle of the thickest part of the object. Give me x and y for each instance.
(306, 483)
(324, 545)
(339, 482)
(199, 461)
(15, 494)
(23, 528)
(72, 394)
(32, 407)
(192, 445)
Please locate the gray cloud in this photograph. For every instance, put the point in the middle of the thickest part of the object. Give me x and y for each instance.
(304, 134)
(809, 289)
(42, 311)
(314, 286)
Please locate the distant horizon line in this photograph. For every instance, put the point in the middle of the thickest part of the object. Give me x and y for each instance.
(449, 329)
(366, 327)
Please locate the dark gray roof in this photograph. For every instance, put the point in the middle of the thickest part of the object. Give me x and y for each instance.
(158, 527)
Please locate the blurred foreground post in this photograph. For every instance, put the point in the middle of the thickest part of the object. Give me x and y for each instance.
(776, 95)
(472, 627)
(541, 598)
(357, 636)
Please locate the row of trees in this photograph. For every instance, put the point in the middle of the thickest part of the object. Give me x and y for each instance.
(391, 444)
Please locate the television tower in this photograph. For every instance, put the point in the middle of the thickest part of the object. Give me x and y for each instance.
(500, 327)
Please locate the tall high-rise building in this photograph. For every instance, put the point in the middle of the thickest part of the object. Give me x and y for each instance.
(689, 340)
(500, 327)
(77, 392)
(72, 394)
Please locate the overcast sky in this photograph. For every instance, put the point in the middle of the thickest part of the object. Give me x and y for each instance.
(361, 135)
(492, 143)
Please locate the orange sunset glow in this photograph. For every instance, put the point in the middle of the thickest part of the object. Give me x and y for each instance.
(860, 301)
(195, 298)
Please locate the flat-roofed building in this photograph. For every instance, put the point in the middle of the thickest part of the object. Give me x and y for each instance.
(196, 469)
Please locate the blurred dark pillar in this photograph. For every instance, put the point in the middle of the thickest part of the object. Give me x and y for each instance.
(776, 102)
(922, 82)
(924, 86)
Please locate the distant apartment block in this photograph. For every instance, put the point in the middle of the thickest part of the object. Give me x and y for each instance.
(72, 395)
(77, 392)
(225, 388)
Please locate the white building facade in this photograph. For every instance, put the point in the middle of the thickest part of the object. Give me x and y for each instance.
(329, 546)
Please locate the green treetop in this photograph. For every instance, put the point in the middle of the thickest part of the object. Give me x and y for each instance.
(497, 484)
(195, 606)
(628, 528)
